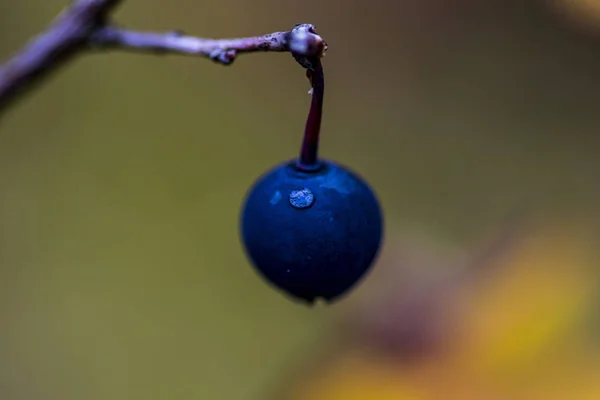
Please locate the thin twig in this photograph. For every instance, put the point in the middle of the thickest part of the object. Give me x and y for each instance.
(299, 40)
(83, 26)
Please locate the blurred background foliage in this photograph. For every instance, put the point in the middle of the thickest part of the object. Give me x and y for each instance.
(121, 180)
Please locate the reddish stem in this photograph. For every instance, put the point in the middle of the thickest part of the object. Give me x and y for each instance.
(310, 145)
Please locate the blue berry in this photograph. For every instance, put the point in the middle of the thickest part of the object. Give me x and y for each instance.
(313, 234)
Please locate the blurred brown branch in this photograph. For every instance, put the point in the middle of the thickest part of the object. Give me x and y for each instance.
(84, 25)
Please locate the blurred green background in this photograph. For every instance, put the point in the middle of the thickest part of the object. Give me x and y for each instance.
(122, 176)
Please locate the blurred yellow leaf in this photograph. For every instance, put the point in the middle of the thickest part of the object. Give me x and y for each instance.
(358, 378)
(536, 301)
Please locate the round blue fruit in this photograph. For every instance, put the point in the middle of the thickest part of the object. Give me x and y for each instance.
(312, 233)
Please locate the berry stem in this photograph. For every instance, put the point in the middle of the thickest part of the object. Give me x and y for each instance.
(310, 145)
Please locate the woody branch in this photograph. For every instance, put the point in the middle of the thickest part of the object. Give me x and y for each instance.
(85, 25)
